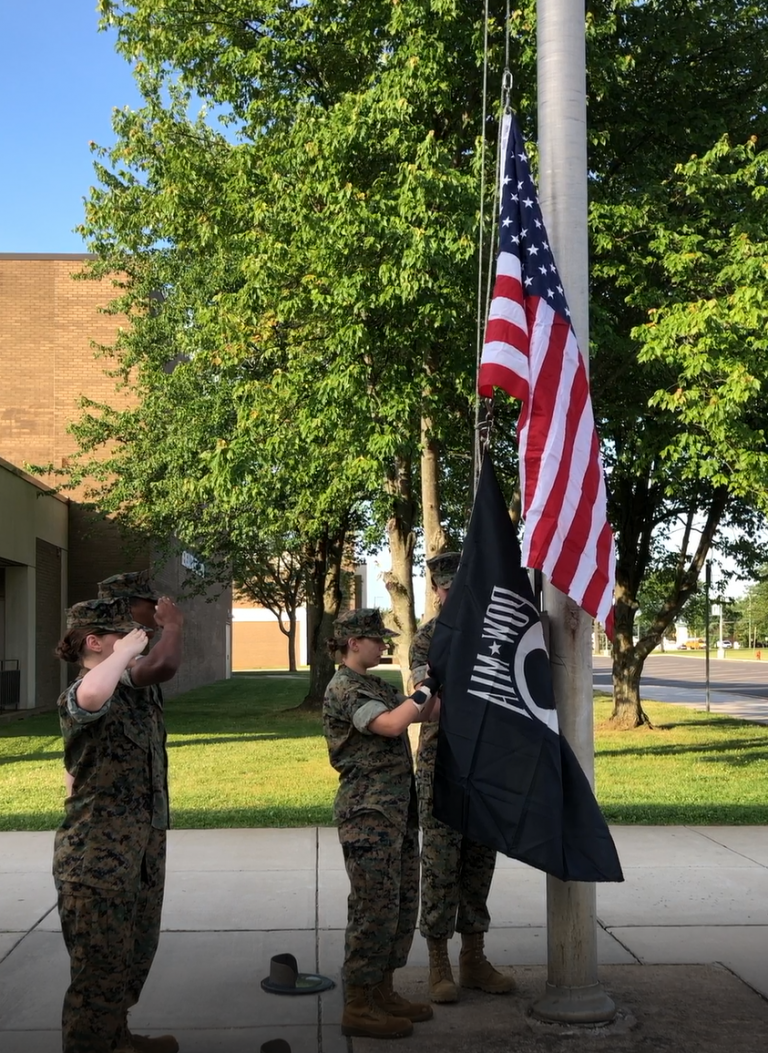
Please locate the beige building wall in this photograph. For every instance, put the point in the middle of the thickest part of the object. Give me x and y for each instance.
(33, 587)
(257, 641)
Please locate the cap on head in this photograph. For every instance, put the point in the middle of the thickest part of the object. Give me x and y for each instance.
(134, 585)
(443, 568)
(102, 615)
(365, 621)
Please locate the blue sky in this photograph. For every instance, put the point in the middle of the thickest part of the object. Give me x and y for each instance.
(59, 81)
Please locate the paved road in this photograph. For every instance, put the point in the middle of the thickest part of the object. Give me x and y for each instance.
(737, 688)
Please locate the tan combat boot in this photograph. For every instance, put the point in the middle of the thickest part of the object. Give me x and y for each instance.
(128, 1043)
(364, 1018)
(441, 984)
(476, 971)
(385, 995)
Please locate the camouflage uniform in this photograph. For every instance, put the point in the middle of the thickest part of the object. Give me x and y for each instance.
(376, 813)
(456, 873)
(109, 852)
(137, 585)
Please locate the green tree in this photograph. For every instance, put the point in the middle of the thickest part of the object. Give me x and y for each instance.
(678, 316)
(312, 260)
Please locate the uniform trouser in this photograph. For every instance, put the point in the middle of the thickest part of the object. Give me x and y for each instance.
(146, 932)
(111, 939)
(456, 874)
(382, 864)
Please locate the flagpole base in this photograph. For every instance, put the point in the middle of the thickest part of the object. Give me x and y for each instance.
(574, 1005)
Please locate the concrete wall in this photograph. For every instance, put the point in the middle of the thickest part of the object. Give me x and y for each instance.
(207, 620)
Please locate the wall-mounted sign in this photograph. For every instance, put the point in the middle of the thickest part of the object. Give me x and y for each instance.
(192, 563)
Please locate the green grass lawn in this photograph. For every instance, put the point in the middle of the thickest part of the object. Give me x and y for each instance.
(241, 754)
(739, 654)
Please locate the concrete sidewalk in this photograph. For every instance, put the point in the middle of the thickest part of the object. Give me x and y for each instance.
(236, 897)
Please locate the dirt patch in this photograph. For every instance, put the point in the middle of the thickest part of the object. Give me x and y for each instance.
(660, 1008)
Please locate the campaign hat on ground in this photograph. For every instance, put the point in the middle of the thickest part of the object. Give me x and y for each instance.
(285, 978)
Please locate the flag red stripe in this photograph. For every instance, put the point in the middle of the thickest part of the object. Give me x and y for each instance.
(547, 502)
(501, 330)
(577, 538)
(598, 594)
(492, 375)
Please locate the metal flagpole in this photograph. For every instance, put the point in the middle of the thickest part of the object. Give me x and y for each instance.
(573, 993)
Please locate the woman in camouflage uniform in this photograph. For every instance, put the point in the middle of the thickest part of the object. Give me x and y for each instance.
(365, 721)
(109, 851)
(456, 873)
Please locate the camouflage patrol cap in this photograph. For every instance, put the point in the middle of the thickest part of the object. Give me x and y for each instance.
(134, 584)
(104, 615)
(443, 568)
(365, 621)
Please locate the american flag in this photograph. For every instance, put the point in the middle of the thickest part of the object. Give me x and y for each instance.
(531, 352)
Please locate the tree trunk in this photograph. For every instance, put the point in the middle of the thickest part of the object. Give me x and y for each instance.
(628, 656)
(292, 641)
(290, 635)
(323, 605)
(435, 539)
(399, 580)
(627, 668)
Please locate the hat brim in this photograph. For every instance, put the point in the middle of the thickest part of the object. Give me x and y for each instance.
(306, 983)
(119, 630)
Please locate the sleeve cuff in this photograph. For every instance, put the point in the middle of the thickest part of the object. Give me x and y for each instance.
(83, 716)
(363, 716)
(126, 679)
(419, 673)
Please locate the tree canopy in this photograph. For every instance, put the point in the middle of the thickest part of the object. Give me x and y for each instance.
(298, 264)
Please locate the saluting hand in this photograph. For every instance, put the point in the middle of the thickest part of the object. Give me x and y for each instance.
(132, 644)
(167, 613)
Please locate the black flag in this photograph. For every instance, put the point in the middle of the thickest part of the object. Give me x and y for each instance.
(504, 774)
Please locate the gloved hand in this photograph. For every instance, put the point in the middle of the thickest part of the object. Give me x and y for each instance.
(424, 692)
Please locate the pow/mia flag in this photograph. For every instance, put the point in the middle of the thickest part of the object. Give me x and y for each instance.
(504, 775)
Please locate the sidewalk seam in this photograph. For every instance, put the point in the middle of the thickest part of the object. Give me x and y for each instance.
(613, 936)
(714, 841)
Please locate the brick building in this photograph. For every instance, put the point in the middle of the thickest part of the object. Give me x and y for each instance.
(49, 323)
(259, 643)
